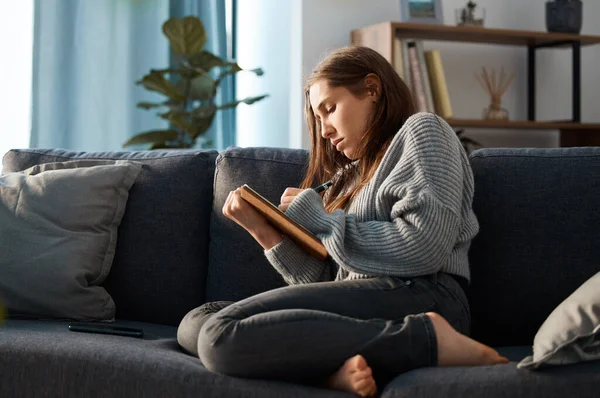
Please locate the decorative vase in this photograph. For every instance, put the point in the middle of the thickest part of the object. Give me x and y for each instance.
(495, 86)
(564, 16)
(495, 110)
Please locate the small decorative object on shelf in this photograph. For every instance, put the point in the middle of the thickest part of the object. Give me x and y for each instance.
(421, 11)
(470, 15)
(495, 89)
(564, 16)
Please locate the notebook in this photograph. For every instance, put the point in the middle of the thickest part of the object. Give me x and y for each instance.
(280, 221)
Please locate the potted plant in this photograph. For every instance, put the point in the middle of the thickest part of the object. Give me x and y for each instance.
(190, 86)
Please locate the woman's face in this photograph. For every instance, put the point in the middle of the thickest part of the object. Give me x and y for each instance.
(341, 115)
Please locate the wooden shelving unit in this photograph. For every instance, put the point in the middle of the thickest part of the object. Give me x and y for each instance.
(572, 133)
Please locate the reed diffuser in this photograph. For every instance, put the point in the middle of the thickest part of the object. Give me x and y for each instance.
(495, 87)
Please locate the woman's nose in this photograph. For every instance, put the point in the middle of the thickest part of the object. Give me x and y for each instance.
(326, 130)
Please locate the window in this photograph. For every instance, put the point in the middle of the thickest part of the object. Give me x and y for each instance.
(16, 46)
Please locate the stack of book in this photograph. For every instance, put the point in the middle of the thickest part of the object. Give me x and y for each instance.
(423, 73)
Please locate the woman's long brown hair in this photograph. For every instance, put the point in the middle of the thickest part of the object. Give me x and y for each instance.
(348, 67)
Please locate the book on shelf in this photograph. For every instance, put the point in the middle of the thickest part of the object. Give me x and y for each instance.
(423, 73)
(285, 225)
(418, 85)
(398, 59)
(439, 87)
(425, 76)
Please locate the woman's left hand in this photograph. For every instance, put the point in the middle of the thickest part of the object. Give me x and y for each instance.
(288, 197)
(240, 211)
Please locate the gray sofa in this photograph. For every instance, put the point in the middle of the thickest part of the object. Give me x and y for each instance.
(539, 240)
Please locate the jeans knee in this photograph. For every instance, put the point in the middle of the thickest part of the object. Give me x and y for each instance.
(214, 345)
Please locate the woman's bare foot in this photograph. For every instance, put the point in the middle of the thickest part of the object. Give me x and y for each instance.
(354, 376)
(456, 349)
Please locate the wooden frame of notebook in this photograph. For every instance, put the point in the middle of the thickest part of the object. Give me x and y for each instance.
(280, 221)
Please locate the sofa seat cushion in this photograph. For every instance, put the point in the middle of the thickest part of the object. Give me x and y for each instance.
(45, 359)
(579, 380)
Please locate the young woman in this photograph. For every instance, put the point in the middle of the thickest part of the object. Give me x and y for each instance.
(397, 223)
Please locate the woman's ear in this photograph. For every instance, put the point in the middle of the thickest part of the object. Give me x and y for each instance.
(373, 86)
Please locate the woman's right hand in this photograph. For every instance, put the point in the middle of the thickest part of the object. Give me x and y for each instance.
(288, 197)
(246, 216)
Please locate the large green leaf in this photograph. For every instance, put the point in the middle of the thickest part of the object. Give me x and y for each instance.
(202, 88)
(149, 105)
(247, 100)
(177, 143)
(161, 145)
(186, 35)
(206, 61)
(202, 112)
(202, 124)
(155, 81)
(179, 119)
(177, 106)
(152, 137)
(257, 71)
(182, 70)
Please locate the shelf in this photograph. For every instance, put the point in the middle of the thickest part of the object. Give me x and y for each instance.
(482, 35)
(524, 124)
(382, 38)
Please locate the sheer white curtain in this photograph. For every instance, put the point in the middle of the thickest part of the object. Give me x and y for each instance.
(16, 44)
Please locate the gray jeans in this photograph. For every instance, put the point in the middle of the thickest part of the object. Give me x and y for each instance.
(306, 332)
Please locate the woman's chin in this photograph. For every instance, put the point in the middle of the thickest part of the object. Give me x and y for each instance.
(348, 154)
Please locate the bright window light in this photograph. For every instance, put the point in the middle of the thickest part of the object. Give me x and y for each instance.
(16, 47)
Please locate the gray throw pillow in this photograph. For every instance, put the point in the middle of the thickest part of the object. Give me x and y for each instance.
(571, 333)
(58, 233)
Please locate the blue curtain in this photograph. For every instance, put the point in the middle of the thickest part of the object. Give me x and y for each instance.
(88, 56)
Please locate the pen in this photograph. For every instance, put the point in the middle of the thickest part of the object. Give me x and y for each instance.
(323, 187)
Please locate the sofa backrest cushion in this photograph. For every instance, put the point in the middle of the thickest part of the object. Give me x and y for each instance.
(539, 236)
(238, 267)
(159, 268)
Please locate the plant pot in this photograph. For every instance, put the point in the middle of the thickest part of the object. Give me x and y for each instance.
(564, 16)
(495, 111)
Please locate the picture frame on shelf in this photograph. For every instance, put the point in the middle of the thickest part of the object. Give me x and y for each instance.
(422, 11)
